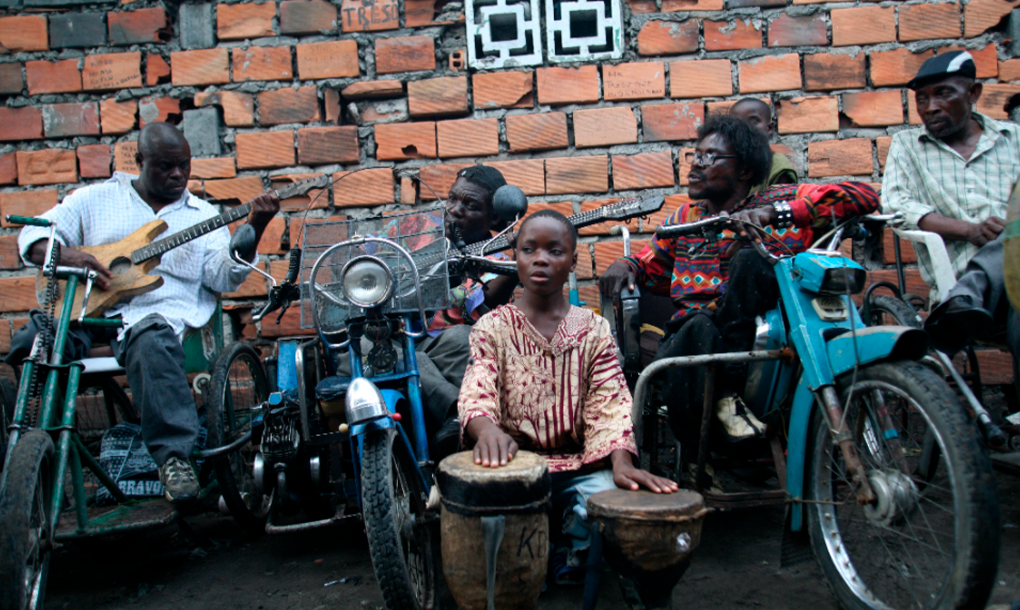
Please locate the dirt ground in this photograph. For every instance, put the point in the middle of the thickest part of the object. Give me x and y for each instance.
(216, 566)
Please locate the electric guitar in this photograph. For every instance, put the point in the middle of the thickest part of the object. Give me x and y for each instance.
(131, 259)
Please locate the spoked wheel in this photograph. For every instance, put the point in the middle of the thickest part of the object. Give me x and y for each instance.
(25, 536)
(931, 540)
(239, 384)
(400, 540)
(885, 310)
(8, 397)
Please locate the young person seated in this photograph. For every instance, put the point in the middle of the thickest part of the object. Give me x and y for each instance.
(759, 114)
(544, 377)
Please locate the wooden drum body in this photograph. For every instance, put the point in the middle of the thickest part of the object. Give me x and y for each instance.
(649, 537)
(495, 530)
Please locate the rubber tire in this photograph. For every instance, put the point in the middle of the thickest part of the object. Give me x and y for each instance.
(383, 454)
(898, 310)
(28, 474)
(971, 572)
(233, 471)
(8, 400)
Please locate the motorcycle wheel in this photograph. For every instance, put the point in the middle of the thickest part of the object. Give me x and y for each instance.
(400, 541)
(886, 310)
(25, 536)
(931, 539)
(8, 398)
(239, 383)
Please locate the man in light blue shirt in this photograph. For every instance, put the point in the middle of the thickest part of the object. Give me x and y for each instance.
(149, 344)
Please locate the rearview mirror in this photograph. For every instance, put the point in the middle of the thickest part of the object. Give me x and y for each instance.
(509, 203)
(243, 242)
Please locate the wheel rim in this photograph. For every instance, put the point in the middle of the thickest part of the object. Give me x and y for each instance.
(900, 552)
(38, 543)
(414, 538)
(244, 390)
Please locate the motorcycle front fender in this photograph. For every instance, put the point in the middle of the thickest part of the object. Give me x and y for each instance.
(874, 343)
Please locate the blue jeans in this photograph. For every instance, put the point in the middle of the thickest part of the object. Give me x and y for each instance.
(570, 493)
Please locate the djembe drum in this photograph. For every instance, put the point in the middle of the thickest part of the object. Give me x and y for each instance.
(495, 530)
(649, 537)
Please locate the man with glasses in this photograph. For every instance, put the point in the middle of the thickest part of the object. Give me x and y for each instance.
(720, 287)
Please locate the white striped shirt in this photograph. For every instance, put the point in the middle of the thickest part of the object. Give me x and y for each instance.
(924, 175)
(192, 273)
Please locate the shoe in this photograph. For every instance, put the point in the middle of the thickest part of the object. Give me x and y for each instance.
(952, 324)
(564, 575)
(738, 421)
(447, 439)
(179, 482)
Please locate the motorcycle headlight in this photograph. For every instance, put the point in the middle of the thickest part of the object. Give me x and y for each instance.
(366, 281)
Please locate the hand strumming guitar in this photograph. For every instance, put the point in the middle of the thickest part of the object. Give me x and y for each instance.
(69, 257)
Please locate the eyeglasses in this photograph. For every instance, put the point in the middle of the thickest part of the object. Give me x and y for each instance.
(705, 159)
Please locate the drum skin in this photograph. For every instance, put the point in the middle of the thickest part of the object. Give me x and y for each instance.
(1011, 249)
(649, 537)
(519, 492)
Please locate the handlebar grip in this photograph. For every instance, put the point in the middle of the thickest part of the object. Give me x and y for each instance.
(691, 228)
(494, 267)
(295, 266)
(28, 220)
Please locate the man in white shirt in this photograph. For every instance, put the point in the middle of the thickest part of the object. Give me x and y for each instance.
(149, 345)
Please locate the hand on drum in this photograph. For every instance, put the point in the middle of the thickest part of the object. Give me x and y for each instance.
(627, 476)
(493, 447)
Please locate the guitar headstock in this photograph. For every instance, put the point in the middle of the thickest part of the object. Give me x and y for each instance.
(635, 206)
(300, 188)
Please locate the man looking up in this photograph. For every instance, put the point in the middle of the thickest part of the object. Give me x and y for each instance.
(759, 114)
(149, 344)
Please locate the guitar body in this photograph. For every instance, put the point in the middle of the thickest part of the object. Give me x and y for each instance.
(128, 279)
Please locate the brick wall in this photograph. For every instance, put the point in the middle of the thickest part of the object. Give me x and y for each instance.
(269, 91)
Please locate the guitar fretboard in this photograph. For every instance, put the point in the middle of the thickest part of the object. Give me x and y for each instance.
(162, 246)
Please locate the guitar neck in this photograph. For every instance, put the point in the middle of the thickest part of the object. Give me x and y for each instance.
(162, 246)
(502, 243)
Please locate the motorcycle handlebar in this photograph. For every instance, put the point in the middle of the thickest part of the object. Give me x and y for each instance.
(691, 228)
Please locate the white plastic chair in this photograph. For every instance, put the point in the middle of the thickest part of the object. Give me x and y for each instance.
(932, 243)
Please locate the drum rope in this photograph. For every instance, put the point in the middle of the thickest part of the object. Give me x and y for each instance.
(536, 506)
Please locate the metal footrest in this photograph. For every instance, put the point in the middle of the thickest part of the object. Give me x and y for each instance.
(117, 519)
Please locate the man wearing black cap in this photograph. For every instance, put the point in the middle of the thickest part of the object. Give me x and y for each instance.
(954, 177)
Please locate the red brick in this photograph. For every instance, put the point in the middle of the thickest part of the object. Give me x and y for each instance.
(331, 104)
(874, 108)
(862, 25)
(112, 71)
(24, 123)
(261, 63)
(154, 109)
(672, 6)
(558, 86)
(219, 167)
(809, 114)
(139, 26)
(360, 16)
(242, 189)
(789, 31)
(824, 72)
(124, 157)
(238, 108)
(732, 35)
(896, 67)
(377, 89)
(1009, 70)
(527, 174)
(47, 166)
(244, 20)
(503, 90)
(701, 78)
(576, 175)
(668, 37)
(986, 60)
(543, 131)
(202, 67)
(770, 74)
(993, 99)
(19, 294)
(307, 17)
(11, 81)
(253, 286)
(409, 191)
(319, 145)
(265, 149)
(643, 171)
(642, 7)
(8, 169)
(117, 117)
(912, 117)
(53, 76)
(24, 33)
(196, 188)
(25, 203)
(468, 138)
(368, 187)
(272, 238)
(671, 121)
(399, 141)
(72, 119)
(383, 112)
(683, 168)
(9, 259)
(634, 81)
(439, 178)
(333, 59)
(608, 252)
(907, 254)
(882, 144)
(604, 127)
(840, 158)
(406, 54)
(924, 21)
(289, 326)
(436, 97)
(673, 202)
(424, 12)
(996, 366)
(288, 105)
(157, 71)
(981, 15)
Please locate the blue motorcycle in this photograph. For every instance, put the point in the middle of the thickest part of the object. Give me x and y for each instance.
(875, 455)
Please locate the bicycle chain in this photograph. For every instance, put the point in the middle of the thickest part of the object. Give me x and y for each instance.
(43, 344)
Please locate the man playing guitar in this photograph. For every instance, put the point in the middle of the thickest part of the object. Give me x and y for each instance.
(149, 344)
